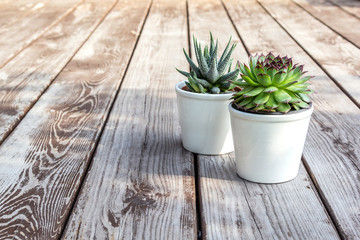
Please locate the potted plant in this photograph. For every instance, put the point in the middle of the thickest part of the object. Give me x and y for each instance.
(203, 99)
(270, 116)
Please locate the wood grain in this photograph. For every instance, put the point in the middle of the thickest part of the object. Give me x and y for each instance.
(13, 11)
(141, 182)
(234, 209)
(15, 37)
(26, 77)
(345, 24)
(331, 151)
(350, 6)
(45, 159)
(321, 43)
(238, 209)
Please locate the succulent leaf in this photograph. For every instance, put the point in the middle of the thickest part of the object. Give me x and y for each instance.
(229, 76)
(213, 73)
(215, 90)
(279, 78)
(271, 89)
(304, 97)
(262, 98)
(302, 105)
(249, 80)
(186, 74)
(254, 92)
(264, 79)
(283, 107)
(271, 103)
(245, 101)
(282, 96)
(223, 63)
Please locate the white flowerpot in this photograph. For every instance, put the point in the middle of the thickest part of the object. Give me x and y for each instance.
(268, 148)
(205, 121)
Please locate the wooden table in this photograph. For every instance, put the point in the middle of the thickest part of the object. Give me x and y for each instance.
(89, 133)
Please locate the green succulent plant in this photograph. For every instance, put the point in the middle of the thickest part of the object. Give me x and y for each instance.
(271, 84)
(210, 76)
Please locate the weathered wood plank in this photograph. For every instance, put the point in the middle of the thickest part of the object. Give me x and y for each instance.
(238, 209)
(339, 58)
(331, 150)
(45, 159)
(141, 182)
(13, 11)
(350, 6)
(344, 23)
(17, 36)
(234, 209)
(24, 78)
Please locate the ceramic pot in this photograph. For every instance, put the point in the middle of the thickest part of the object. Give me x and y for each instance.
(268, 147)
(205, 121)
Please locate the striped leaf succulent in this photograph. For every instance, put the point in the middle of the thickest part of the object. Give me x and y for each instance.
(271, 84)
(210, 75)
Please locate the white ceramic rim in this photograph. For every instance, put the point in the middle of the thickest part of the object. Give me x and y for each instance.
(207, 96)
(293, 116)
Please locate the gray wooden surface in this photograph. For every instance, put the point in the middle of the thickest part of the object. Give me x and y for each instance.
(90, 144)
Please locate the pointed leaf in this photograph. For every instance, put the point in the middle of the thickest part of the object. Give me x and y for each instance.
(249, 73)
(302, 105)
(264, 79)
(207, 55)
(258, 70)
(246, 101)
(212, 75)
(240, 83)
(271, 103)
(211, 44)
(229, 76)
(281, 96)
(260, 107)
(224, 62)
(283, 107)
(298, 88)
(190, 87)
(192, 64)
(271, 71)
(279, 78)
(304, 97)
(252, 64)
(304, 79)
(249, 106)
(215, 90)
(193, 84)
(271, 89)
(186, 74)
(254, 92)
(249, 81)
(225, 51)
(203, 82)
(294, 98)
(224, 86)
(245, 90)
(262, 98)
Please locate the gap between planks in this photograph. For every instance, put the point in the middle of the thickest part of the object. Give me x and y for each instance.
(105, 122)
(18, 47)
(57, 63)
(328, 122)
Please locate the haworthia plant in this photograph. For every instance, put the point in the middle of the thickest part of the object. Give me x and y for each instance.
(271, 84)
(210, 75)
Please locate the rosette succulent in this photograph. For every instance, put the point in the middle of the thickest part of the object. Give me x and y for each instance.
(211, 75)
(271, 84)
